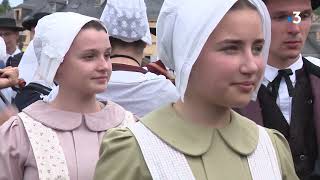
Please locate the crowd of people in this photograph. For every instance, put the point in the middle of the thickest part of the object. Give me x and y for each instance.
(241, 103)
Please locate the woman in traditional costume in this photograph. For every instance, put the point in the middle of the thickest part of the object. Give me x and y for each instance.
(60, 139)
(218, 50)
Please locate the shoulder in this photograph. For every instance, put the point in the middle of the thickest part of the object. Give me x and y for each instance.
(312, 65)
(283, 152)
(13, 134)
(279, 142)
(14, 148)
(18, 56)
(162, 86)
(126, 117)
(313, 60)
(120, 153)
(113, 105)
(15, 60)
(13, 126)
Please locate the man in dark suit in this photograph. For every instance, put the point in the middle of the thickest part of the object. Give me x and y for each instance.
(9, 31)
(289, 97)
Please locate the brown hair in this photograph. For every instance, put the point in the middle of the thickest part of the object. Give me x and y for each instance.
(312, 2)
(95, 25)
(241, 4)
(137, 45)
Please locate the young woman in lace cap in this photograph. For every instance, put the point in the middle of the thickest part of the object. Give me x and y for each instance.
(219, 54)
(61, 139)
(132, 86)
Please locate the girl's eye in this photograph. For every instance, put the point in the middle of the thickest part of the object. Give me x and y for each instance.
(88, 57)
(107, 56)
(256, 50)
(305, 15)
(280, 18)
(230, 50)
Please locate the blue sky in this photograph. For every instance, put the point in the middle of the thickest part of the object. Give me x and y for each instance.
(14, 3)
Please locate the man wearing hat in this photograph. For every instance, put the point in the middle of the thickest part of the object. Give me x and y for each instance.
(31, 22)
(289, 97)
(9, 31)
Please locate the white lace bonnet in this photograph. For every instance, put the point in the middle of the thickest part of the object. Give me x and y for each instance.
(127, 20)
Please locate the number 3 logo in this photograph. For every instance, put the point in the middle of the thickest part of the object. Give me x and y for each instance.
(297, 18)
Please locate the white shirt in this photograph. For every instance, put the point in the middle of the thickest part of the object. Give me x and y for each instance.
(284, 101)
(17, 51)
(139, 93)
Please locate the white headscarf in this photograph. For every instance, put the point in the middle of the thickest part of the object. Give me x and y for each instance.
(3, 50)
(127, 20)
(53, 37)
(28, 64)
(182, 33)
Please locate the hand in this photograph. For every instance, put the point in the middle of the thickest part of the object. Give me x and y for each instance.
(6, 113)
(9, 77)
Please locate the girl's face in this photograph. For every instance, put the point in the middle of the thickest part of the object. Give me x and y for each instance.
(230, 64)
(86, 67)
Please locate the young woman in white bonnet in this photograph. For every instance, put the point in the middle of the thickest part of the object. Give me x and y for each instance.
(218, 50)
(61, 139)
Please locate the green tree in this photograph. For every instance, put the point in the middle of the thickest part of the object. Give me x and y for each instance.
(4, 6)
(317, 11)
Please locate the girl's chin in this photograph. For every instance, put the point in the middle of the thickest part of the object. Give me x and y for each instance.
(241, 104)
(101, 89)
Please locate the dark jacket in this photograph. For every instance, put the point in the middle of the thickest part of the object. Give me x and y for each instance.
(14, 60)
(253, 110)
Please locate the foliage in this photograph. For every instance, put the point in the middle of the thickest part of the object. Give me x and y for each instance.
(4, 6)
(317, 11)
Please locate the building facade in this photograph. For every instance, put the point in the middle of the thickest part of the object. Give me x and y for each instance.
(92, 8)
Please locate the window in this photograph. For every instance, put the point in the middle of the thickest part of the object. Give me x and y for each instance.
(17, 14)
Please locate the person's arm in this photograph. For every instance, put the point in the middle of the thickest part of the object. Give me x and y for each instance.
(121, 158)
(6, 113)
(284, 155)
(14, 150)
(9, 77)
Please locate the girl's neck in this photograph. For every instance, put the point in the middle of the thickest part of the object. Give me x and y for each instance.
(76, 102)
(203, 114)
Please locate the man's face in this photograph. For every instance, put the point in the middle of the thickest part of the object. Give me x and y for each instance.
(288, 38)
(10, 37)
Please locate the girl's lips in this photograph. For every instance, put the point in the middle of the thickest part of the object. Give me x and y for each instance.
(246, 86)
(101, 79)
(293, 44)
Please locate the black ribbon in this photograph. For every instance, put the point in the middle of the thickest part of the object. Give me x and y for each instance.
(125, 56)
(275, 84)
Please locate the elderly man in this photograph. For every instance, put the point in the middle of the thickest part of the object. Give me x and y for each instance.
(9, 31)
(289, 98)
